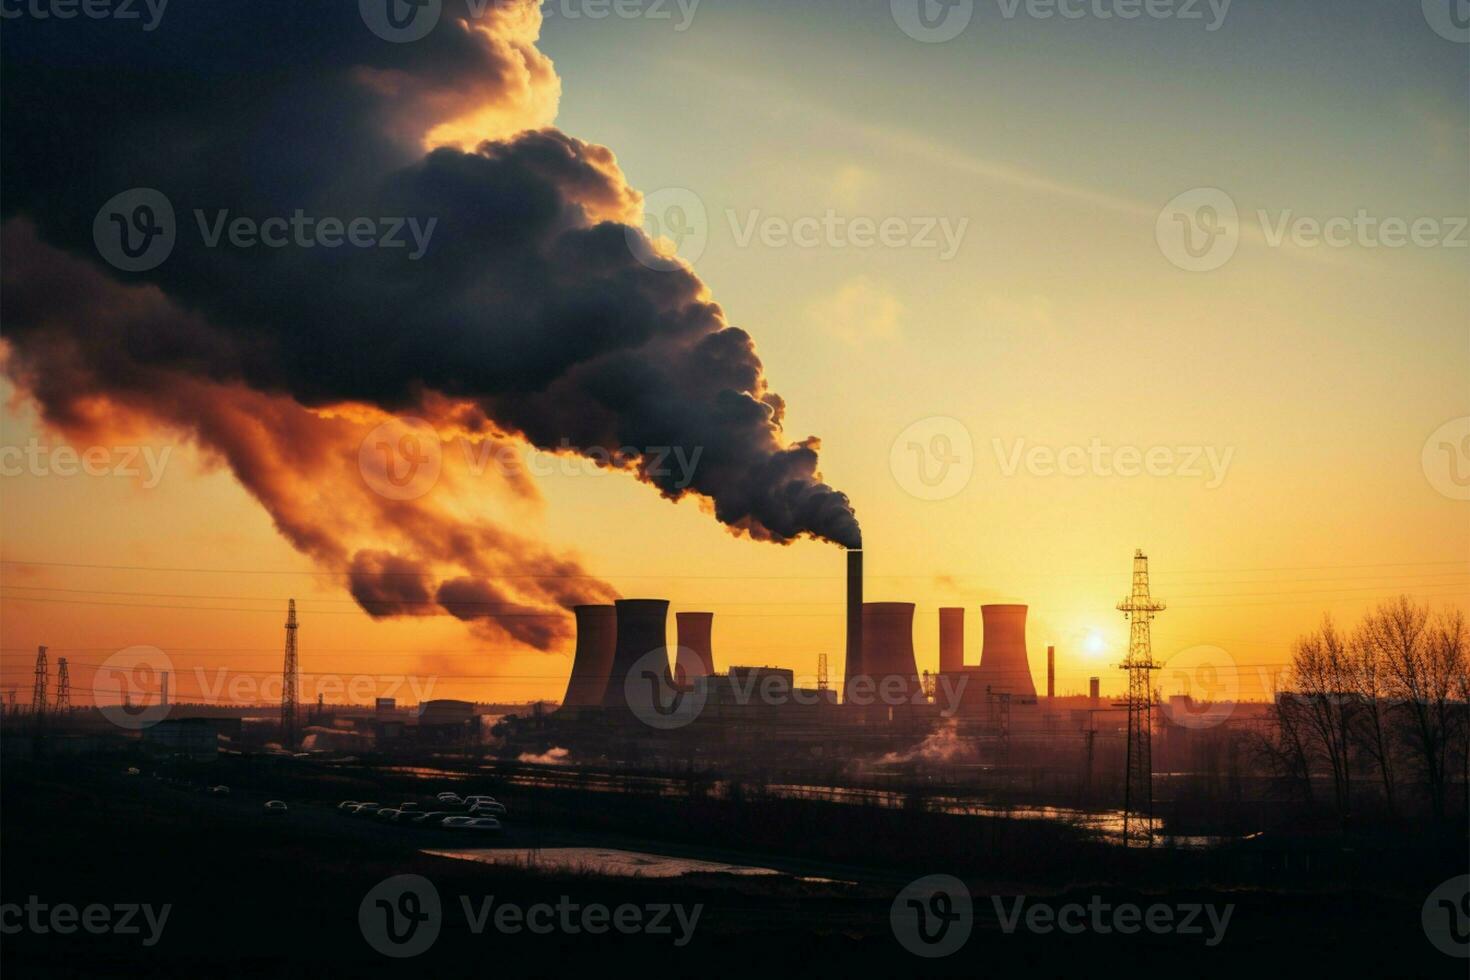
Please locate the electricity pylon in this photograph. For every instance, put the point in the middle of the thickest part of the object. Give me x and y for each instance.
(1138, 783)
(38, 693)
(63, 686)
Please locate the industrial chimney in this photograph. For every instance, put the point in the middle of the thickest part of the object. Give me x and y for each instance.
(951, 640)
(696, 657)
(853, 666)
(1051, 672)
(1093, 690)
(640, 630)
(1003, 665)
(597, 635)
(888, 652)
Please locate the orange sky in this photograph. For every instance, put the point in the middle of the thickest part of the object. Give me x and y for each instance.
(1316, 378)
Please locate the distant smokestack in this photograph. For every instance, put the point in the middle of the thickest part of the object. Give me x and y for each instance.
(597, 635)
(640, 630)
(1051, 672)
(1003, 664)
(163, 692)
(888, 651)
(853, 666)
(951, 640)
(696, 657)
(1093, 685)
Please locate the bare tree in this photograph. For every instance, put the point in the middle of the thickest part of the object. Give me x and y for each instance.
(1421, 663)
(1449, 665)
(1372, 724)
(1322, 673)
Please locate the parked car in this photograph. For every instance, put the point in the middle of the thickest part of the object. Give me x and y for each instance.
(472, 823)
(366, 809)
(275, 806)
(408, 806)
(133, 771)
(348, 805)
(427, 818)
(488, 810)
(387, 813)
(220, 790)
(480, 798)
(453, 799)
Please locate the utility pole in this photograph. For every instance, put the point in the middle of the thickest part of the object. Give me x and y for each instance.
(1138, 784)
(288, 684)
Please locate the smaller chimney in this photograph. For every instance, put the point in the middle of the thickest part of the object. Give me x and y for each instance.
(1093, 683)
(163, 695)
(1051, 672)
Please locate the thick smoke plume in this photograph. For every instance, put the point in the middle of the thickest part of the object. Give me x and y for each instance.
(532, 314)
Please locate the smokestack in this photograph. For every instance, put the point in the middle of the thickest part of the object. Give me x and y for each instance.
(1051, 672)
(951, 640)
(1093, 684)
(695, 657)
(597, 635)
(1003, 664)
(888, 651)
(853, 666)
(640, 630)
(163, 692)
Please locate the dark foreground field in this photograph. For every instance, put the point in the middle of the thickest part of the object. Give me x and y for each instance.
(255, 894)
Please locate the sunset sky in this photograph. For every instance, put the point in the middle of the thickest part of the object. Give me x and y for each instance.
(1313, 376)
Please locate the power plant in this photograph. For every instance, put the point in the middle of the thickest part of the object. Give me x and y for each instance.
(623, 649)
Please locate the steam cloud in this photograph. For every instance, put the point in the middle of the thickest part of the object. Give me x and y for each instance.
(529, 317)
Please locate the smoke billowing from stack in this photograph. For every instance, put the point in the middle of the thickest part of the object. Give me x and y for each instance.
(592, 664)
(531, 311)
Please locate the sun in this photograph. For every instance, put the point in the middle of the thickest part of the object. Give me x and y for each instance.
(1094, 644)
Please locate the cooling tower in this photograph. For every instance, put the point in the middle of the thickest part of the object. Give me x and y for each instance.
(1003, 666)
(888, 652)
(694, 630)
(640, 630)
(853, 661)
(951, 640)
(597, 635)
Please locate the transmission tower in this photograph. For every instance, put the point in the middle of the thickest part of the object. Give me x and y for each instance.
(1138, 783)
(63, 686)
(288, 684)
(38, 693)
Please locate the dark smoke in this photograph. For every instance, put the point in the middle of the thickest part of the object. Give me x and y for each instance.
(529, 314)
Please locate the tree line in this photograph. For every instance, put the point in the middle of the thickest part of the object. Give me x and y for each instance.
(1382, 709)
